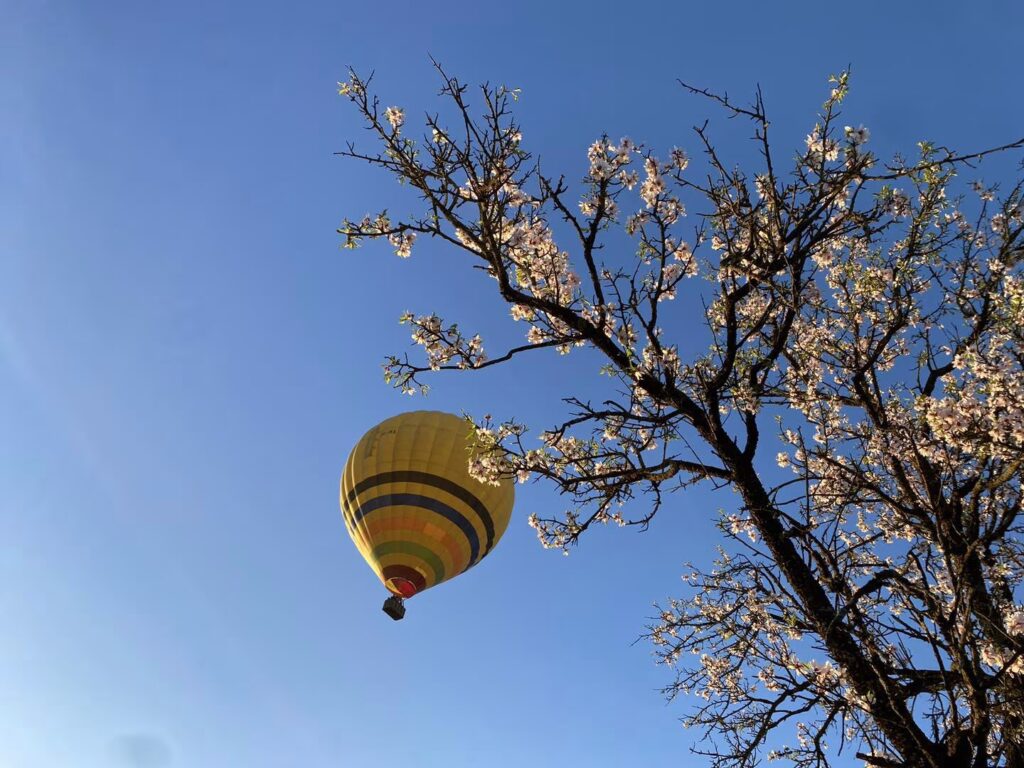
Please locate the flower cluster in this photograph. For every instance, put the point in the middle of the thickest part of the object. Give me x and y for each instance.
(445, 346)
(395, 117)
(821, 147)
(857, 136)
(402, 241)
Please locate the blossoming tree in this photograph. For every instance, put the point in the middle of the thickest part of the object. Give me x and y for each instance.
(868, 316)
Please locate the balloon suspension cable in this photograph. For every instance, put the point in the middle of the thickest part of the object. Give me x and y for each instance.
(394, 607)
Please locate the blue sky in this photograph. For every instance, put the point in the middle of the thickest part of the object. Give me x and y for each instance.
(186, 357)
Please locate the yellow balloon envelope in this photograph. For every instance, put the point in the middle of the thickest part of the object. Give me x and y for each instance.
(411, 506)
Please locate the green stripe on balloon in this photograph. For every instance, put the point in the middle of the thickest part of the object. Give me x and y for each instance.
(414, 549)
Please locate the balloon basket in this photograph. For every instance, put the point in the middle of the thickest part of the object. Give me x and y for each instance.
(394, 607)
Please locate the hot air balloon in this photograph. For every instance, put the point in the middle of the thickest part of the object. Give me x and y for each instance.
(410, 505)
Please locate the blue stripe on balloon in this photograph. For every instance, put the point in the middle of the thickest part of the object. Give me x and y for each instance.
(427, 478)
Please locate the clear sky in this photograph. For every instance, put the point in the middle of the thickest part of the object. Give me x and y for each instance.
(186, 357)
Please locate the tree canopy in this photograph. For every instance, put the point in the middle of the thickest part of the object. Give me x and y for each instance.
(864, 321)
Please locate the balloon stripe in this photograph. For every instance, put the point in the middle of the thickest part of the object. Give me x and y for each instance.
(362, 541)
(411, 523)
(411, 575)
(424, 502)
(446, 542)
(404, 558)
(412, 548)
(426, 478)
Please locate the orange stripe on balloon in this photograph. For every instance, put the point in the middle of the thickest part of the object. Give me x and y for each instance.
(460, 555)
